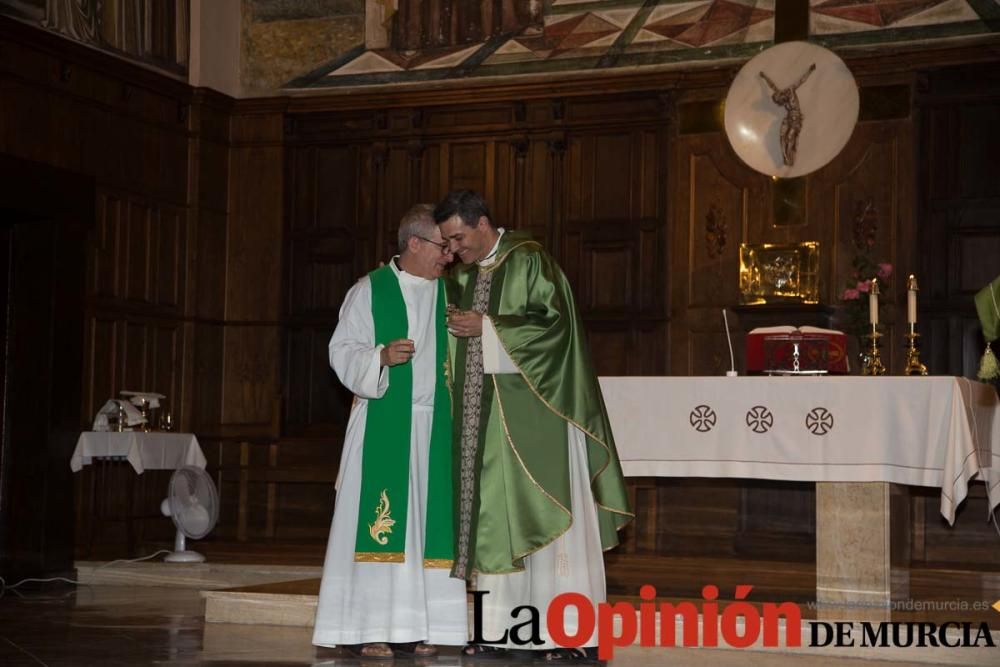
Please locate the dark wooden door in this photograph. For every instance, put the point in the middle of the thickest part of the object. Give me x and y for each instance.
(45, 220)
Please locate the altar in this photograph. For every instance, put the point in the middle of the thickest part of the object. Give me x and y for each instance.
(854, 436)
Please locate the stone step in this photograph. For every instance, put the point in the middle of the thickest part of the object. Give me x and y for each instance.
(291, 603)
(201, 576)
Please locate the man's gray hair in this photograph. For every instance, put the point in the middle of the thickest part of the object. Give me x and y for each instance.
(418, 221)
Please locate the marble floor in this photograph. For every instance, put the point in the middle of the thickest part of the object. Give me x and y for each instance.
(141, 625)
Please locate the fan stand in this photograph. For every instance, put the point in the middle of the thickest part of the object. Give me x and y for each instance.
(180, 554)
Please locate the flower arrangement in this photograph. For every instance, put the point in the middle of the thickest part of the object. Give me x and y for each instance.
(865, 268)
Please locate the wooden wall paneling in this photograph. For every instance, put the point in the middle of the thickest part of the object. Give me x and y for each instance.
(605, 243)
(503, 205)
(254, 261)
(137, 259)
(869, 184)
(139, 137)
(542, 182)
(958, 206)
(134, 361)
(718, 201)
(255, 235)
(203, 262)
(330, 248)
(101, 364)
(210, 275)
(554, 163)
(250, 391)
(398, 198)
(470, 167)
(106, 263)
(468, 120)
(777, 520)
(333, 187)
(206, 408)
(48, 215)
(169, 272)
(431, 187)
(168, 367)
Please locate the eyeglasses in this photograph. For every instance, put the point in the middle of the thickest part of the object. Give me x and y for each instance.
(443, 246)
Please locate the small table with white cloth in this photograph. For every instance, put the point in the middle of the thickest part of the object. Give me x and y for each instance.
(117, 458)
(853, 436)
(145, 451)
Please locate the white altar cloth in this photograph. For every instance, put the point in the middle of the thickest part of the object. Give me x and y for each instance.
(145, 451)
(939, 432)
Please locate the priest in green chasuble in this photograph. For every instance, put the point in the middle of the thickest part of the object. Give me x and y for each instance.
(540, 493)
(386, 585)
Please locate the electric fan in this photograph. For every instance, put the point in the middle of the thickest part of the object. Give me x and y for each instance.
(193, 504)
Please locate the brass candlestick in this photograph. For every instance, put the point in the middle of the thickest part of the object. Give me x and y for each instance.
(873, 361)
(913, 365)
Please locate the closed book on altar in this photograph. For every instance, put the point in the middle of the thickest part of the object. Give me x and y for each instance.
(788, 349)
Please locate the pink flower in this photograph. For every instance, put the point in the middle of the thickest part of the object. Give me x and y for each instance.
(850, 295)
(884, 270)
(863, 286)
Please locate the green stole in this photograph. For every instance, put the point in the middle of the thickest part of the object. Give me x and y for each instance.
(385, 464)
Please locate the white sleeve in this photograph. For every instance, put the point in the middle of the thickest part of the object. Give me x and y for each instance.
(495, 359)
(354, 356)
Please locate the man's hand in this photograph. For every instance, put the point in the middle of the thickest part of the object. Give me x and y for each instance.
(465, 323)
(397, 352)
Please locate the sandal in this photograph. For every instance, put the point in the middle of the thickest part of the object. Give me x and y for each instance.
(484, 652)
(374, 650)
(414, 650)
(585, 655)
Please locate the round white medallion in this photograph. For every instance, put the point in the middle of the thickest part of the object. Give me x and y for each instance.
(791, 109)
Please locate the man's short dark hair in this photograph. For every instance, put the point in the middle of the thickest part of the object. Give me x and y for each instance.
(466, 204)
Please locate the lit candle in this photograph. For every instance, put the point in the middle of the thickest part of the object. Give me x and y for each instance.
(873, 302)
(911, 300)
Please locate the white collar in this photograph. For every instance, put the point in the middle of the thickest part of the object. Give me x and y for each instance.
(491, 256)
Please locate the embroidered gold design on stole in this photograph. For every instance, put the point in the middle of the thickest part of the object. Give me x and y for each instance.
(472, 393)
(378, 557)
(383, 522)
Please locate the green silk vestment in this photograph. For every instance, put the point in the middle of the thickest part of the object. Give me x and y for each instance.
(522, 495)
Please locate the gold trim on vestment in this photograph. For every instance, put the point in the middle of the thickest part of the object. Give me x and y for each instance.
(438, 563)
(377, 557)
(567, 419)
(499, 260)
(506, 432)
(383, 521)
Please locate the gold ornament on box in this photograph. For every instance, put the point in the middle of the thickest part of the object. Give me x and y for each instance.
(772, 273)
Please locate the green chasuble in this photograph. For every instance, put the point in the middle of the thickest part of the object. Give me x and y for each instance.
(385, 466)
(518, 482)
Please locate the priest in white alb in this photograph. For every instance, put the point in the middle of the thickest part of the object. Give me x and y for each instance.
(386, 587)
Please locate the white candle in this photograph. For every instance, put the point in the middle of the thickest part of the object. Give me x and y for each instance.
(911, 300)
(873, 302)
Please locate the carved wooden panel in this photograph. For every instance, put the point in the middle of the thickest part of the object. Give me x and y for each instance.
(959, 210)
(253, 280)
(332, 223)
(470, 166)
(210, 269)
(718, 202)
(610, 235)
(105, 263)
(250, 374)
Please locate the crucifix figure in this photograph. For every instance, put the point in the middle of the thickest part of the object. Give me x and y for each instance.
(792, 123)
